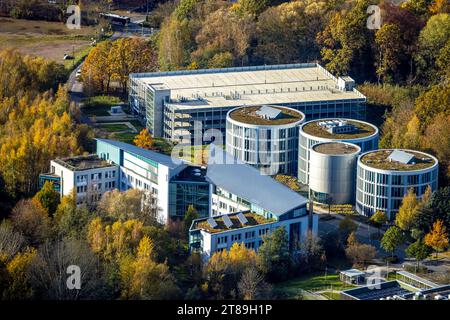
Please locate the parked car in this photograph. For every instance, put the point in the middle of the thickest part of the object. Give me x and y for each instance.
(68, 57)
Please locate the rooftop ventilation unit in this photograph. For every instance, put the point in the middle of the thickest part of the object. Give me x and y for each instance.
(401, 157)
(227, 221)
(212, 222)
(268, 113)
(242, 218)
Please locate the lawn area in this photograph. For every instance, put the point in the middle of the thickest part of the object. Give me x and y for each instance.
(198, 155)
(99, 105)
(80, 53)
(331, 295)
(50, 40)
(161, 145)
(126, 137)
(114, 127)
(293, 288)
(137, 125)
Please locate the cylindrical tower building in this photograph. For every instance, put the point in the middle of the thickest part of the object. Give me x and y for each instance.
(333, 172)
(363, 134)
(265, 137)
(385, 176)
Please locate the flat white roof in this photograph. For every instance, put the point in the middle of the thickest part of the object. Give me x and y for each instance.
(353, 273)
(246, 182)
(248, 85)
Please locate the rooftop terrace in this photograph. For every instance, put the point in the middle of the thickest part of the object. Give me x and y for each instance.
(80, 163)
(258, 85)
(336, 148)
(362, 129)
(250, 115)
(253, 219)
(380, 160)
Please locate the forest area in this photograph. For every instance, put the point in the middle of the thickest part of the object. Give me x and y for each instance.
(403, 68)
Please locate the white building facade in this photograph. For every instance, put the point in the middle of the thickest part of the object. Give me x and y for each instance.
(143, 170)
(317, 131)
(267, 141)
(88, 177)
(382, 182)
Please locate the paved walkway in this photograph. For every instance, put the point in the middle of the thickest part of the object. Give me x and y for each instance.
(125, 117)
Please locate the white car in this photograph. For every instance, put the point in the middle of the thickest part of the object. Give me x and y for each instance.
(78, 74)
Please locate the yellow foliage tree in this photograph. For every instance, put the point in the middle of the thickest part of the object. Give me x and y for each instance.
(19, 286)
(115, 60)
(143, 278)
(437, 238)
(407, 211)
(144, 140)
(35, 131)
(114, 241)
(96, 235)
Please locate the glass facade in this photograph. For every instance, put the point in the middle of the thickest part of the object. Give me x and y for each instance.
(182, 194)
(43, 178)
(271, 150)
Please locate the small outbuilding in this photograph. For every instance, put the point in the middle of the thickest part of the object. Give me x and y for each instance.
(116, 110)
(352, 276)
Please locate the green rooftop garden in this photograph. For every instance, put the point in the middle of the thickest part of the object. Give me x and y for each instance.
(253, 220)
(379, 160)
(363, 130)
(248, 115)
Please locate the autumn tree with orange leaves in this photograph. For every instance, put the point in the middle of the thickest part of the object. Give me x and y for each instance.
(437, 238)
(114, 61)
(144, 140)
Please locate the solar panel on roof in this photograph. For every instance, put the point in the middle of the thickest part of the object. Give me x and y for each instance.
(227, 221)
(242, 218)
(212, 222)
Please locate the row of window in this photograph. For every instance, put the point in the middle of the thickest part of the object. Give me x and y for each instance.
(97, 187)
(238, 236)
(263, 134)
(96, 176)
(397, 180)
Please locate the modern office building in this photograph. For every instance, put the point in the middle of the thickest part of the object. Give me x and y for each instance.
(333, 172)
(246, 206)
(363, 134)
(171, 103)
(122, 166)
(265, 137)
(189, 187)
(88, 176)
(385, 176)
